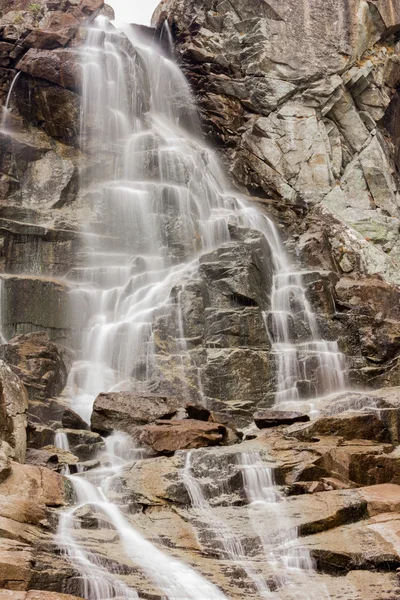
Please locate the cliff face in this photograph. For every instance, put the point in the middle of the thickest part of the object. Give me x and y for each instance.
(301, 99)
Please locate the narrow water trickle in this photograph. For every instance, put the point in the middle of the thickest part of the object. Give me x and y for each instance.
(6, 107)
(159, 202)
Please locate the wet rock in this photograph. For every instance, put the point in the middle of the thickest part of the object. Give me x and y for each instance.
(166, 437)
(38, 362)
(13, 407)
(84, 444)
(56, 414)
(58, 66)
(52, 458)
(34, 100)
(274, 418)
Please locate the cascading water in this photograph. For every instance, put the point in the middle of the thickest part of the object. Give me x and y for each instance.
(290, 563)
(231, 544)
(159, 202)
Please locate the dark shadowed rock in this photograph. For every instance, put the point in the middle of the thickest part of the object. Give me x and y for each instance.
(274, 418)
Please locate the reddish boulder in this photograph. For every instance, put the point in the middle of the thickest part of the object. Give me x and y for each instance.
(55, 30)
(62, 66)
(166, 437)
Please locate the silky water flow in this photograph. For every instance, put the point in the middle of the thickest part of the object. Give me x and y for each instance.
(159, 202)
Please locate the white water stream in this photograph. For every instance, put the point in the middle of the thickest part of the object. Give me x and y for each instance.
(291, 564)
(160, 201)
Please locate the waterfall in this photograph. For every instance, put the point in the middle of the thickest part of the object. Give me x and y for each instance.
(6, 107)
(292, 566)
(175, 579)
(221, 531)
(159, 202)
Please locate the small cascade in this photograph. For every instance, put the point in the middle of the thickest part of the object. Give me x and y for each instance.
(61, 442)
(232, 546)
(3, 339)
(292, 566)
(308, 367)
(6, 107)
(176, 580)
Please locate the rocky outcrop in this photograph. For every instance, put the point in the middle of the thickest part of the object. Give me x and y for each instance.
(13, 407)
(38, 362)
(122, 411)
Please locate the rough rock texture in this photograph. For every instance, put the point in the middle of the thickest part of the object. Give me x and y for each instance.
(13, 407)
(38, 362)
(122, 411)
(166, 437)
(302, 101)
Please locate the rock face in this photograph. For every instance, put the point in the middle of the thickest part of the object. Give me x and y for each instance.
(13, 407)
(302, 103)
(301, 100)
(39, 364)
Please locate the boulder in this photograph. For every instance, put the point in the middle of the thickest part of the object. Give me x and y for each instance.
(52, 458)
(124, 411)
(40, 364)
(84, 444)
(352, 426)
(61, 67)
(56, 30)
(166, 437)
(13, 407)
(274, 418)
(55, 413)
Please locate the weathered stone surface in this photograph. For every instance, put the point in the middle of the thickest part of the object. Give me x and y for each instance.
(165, 437)
(274, 418)
(13, 407)
(58, 66)
(47, 311)
(56, 30)
(38, 362)
(351, 426)
(122, 411)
